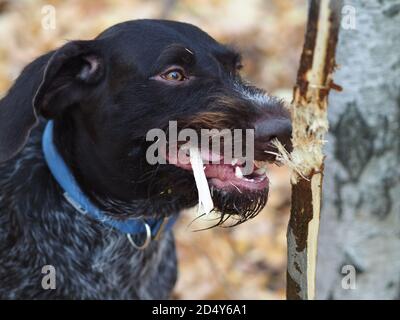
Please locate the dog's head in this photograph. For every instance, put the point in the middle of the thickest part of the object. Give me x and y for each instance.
(107, 94)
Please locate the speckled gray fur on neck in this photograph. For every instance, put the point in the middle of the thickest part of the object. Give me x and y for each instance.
(38, 227)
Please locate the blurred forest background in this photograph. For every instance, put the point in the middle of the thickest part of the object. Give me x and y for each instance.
(245, 262)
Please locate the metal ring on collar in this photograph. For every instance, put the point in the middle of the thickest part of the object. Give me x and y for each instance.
(145, 243)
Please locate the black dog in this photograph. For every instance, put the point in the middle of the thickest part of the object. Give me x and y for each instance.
(102, 97)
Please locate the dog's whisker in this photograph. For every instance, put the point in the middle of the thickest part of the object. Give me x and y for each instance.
(195, 219)
(236, 187)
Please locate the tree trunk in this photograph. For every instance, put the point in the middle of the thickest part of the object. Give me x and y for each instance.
(359, 247)
(309, 119)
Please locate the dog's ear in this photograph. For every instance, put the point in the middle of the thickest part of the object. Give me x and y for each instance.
(17, 116)
(46, 87)
(71, 74)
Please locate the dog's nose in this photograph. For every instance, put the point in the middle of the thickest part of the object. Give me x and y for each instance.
(279, 128)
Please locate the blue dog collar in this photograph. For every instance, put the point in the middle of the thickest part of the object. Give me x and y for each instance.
(74, 195)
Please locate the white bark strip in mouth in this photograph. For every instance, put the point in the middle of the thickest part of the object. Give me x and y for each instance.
(238, 173)
(205, 201)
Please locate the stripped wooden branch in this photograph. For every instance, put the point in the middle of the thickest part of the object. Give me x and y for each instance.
(309, 119)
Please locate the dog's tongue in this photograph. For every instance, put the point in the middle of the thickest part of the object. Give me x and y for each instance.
(205, 201)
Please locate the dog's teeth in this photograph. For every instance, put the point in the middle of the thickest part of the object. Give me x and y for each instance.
(261, 171)
(185, 146)
(260, 164)
(234, 161)
(238, 173)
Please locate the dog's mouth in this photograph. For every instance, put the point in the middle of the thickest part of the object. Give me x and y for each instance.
(234, 194)
(225, 176)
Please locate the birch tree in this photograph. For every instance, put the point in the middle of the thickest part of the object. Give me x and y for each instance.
(359, 247)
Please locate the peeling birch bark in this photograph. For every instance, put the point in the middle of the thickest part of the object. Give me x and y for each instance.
(359, 243)
(310, 124)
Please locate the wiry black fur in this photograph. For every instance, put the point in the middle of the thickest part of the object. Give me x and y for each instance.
(92, 261)
(103, 99)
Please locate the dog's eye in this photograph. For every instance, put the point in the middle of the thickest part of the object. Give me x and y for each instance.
(174, 75)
